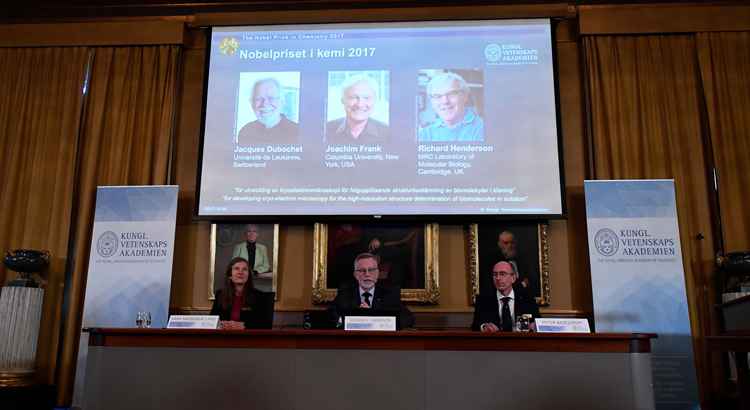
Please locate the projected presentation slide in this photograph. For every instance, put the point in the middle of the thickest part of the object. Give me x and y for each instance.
(429, 118)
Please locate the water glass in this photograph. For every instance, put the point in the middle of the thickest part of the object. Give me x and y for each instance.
(523, 323)
(143, 319)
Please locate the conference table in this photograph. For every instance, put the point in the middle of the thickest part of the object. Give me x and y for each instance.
(335, 369)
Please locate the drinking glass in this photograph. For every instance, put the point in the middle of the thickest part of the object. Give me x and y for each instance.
(147, 319)
(523, 323)
(139, 319)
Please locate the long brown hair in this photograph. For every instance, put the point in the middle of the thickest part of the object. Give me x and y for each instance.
(228, 295)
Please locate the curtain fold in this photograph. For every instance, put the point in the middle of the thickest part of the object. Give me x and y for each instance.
(125, 140)
(646, 123)
(724, 61)
(40, 108)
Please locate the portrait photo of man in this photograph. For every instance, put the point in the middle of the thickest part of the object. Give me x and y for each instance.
(399, 250)
(255, 253)
(256, 243)
(268, 107)
(451, 111)
(356, 108)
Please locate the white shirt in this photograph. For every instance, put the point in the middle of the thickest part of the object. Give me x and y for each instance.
(511, 305)
(372, 295)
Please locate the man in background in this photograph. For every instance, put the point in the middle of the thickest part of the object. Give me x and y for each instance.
(271, 126)
(255, 253)
(507, 250)
(359, 97)
(497, 311)
(366, 293)
(449, 95)
(506, 243)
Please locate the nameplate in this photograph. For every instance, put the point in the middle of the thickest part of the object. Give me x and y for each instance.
(552, 325)
(386, 323)
(193, 322)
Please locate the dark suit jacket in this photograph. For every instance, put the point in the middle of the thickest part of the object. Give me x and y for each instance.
(256, 314)
(487, 307)
(386, 298)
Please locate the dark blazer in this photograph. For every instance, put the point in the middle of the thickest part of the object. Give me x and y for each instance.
(386, 298)
(257, 313)
(487, 307)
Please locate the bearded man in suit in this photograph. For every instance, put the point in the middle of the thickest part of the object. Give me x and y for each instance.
(366, 293)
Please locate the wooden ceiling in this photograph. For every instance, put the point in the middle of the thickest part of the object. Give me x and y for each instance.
(46, 10)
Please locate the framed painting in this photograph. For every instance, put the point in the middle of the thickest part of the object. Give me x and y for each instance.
(524, 244)
(258, 243)
(407, 257)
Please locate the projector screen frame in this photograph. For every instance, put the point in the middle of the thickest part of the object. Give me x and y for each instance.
(361, 218)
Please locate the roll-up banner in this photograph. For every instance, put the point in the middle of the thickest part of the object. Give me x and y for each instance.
(130, 262)
(638, 281)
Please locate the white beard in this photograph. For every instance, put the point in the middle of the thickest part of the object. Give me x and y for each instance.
(271, 121)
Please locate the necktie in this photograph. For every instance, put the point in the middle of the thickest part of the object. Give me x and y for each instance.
(507, 321)
(367, 297)
(251, 255)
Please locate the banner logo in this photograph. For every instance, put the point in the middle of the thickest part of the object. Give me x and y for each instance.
(228, 46)
(606, 242)
(492, 52)
(510, 54)
(106, 245)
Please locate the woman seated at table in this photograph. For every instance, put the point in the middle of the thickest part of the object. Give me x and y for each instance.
(239, 305)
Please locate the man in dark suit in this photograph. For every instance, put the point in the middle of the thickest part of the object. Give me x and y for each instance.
(497, 311)
(507, 250)
(367, 293)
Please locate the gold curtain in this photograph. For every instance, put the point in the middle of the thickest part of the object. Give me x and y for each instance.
(645, 123)
(40, 109)
(724, 60)
(125, 140)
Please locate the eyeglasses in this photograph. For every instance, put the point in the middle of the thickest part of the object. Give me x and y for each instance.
(501, 274)
(270, 100)
(358, 98)
(450, 94)
(368, 270)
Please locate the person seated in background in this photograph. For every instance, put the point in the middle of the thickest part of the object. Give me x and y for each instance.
(366, 293)
(359, 97)
(456, 121)
(271, 126)
(255, 253)
(239, 305)
(497, 311)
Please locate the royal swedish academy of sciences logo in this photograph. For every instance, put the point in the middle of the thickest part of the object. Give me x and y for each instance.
(228, 46)
(106, 245)
(606, 242)
(492, 52)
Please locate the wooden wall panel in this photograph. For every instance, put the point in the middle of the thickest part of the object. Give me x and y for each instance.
(92, 33)
(572, 275)
(663, 18)
(335, 15)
